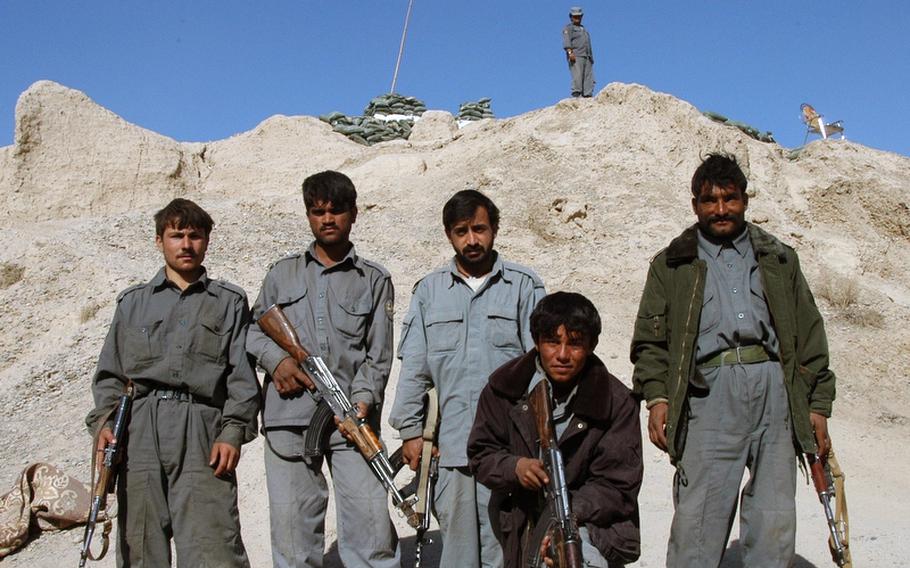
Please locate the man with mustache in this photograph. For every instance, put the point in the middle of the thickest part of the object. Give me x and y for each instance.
(181, 339)
(731, 358)
(466, 319)
(341, 306)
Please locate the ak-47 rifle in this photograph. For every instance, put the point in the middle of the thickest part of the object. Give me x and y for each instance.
(276, 325)
(557, 520)
(107, 476)
(821, 468)
(427, 474)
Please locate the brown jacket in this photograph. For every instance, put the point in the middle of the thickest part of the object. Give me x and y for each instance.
(601, 450)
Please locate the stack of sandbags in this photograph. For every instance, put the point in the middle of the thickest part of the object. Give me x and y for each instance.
(750, 131)
(476, 110)
(387, 117)
(368, 130)
(393, 105)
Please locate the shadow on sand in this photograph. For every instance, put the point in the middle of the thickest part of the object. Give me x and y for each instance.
(431, 553)
(733, 558)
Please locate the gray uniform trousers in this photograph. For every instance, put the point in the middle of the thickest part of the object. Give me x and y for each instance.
(743, 422)
(582, 71)
(298, 497)
(464, 521)
(167, 490)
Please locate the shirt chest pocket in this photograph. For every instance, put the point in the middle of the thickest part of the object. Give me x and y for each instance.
(710, 314)
(352, 316)
(142, 344)
(212, 338)
(503, 329)
(444, 330)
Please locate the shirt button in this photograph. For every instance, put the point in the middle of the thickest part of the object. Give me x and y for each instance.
(322, 294)
(729, 265)
(581, 425)
(740, 315)
(735, 290)
(524, 407)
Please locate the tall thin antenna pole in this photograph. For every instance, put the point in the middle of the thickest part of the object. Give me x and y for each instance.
(404, 34)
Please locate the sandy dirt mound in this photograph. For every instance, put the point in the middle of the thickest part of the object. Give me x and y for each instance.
(589, 191)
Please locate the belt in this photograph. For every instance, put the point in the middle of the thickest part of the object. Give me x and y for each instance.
(182, 395)
(738, 355)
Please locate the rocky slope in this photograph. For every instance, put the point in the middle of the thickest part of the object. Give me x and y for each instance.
(589, 191)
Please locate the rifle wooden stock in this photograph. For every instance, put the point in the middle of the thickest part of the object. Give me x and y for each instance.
(276, 325)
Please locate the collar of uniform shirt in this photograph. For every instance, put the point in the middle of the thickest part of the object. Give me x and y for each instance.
(160, 281)
(740, 244)
(350, 257)
(496, 270)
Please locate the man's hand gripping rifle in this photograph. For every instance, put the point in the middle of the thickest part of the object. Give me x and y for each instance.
(557, 520)
(824, 485)
(276, 325)
(107, 475)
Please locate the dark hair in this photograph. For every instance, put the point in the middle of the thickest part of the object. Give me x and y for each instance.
(330, 187)
(180, 214)
(464, 204)
(719, 170)
(570, 309)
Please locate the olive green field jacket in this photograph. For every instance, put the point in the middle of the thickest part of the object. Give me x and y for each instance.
(666, 333)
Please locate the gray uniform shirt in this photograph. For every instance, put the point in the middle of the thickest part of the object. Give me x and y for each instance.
(162, 337)
(454, 338)
(578, 40)
(734, 310)
(342, 313)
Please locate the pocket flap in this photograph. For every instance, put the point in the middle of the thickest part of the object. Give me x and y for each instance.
(502, 313)
(443, 316)
(214, 324)
(291, 296)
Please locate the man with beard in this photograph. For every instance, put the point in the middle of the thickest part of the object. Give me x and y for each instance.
(341, 306)
(731, 356)
(180, 338)
(466, 319)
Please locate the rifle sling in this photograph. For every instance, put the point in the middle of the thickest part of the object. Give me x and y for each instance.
(840, 506)
(430, 426)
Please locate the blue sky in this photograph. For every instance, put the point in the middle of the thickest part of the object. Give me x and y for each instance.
(199, 70)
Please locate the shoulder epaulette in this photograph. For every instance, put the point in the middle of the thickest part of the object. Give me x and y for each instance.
(439, 269)
(284, 258)
(377, 266)
(522, 269)
(230, 287)
(132, 288)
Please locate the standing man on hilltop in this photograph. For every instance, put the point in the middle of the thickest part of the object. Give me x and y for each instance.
(341, 306)
(181, 339)
(577, 43)
(731, 357)
(466, 319)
